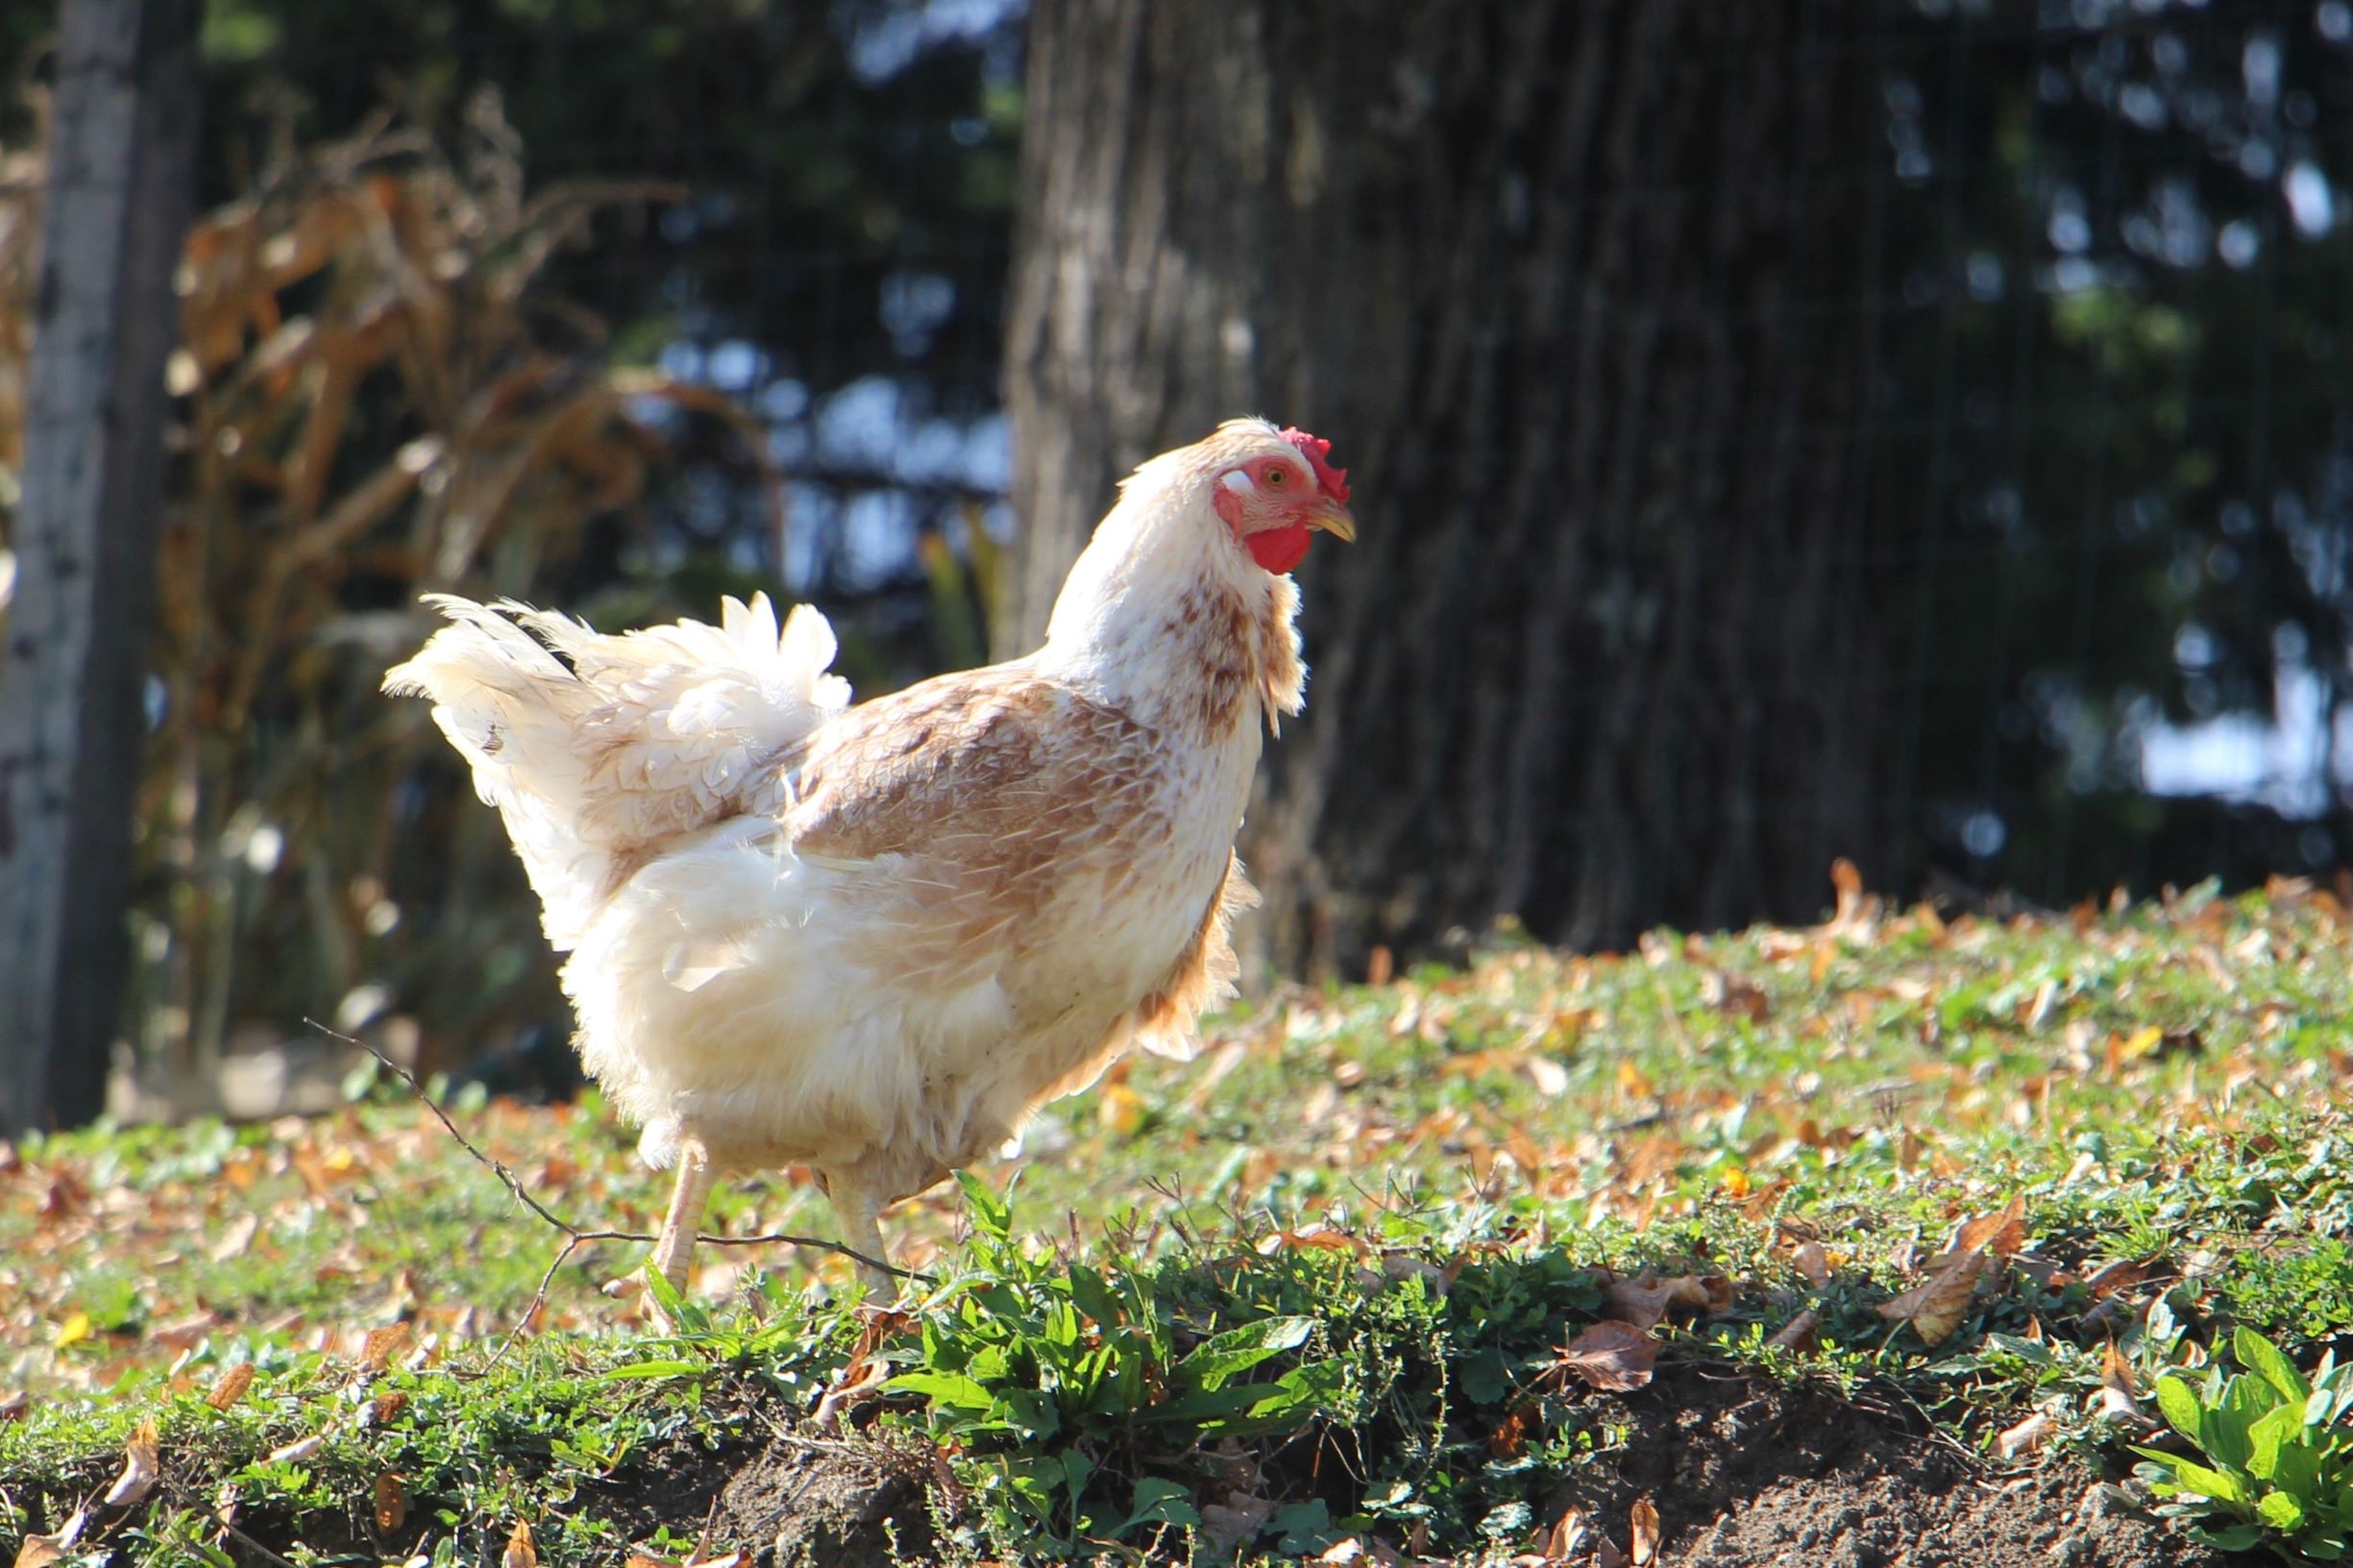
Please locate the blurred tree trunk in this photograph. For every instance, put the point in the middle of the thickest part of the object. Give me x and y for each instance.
(1571, 285)
(71, 678)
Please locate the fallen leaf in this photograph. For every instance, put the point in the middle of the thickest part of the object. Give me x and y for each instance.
(1848, 880)
(231, 1386)
(1566, 1537)
(1799, 1332)
(2117, 1401)
(1510, 1435)
(2027, 1437)
(1936, 1308)
(1812, 1263)
(237, 1237)
(299, 1449)
(1998, 1235)
(1644, 1525)
(1645, 1299)
(521, 1552)
(1380, 965)
(141, 1465)
(41, 1551)
(1314, 1237)
(1607, 1554)
(1732, 994)
(74, 1330)
(858, 1382)
(381, 1346)
(1610, 1355)
(1235, 1521)
(391, 1502)
(186, 1333)
(2119, 1276)
(13, 1404)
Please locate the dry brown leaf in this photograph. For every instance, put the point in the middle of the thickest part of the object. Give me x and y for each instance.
(1644, 1526)
(301, 1448)
(1645, 1299)
(1607, 1554)
(1734, 996)
(381, 1346)
(41, 1551)
(2026, 1437)
(1315, 1238)
(1566, 1538)
(2000, 1235)
(1799, 1332)
(522, 1552)
(13, 1404)
(1812, 1263)
(1848, 880)
(231, 1386)
(2119, 1276)
(391, 1502)
(2117, 1400)
(859, 1380)
(1235, 1521)
(234, 1240)
(1510, 1435)
(1610, 1356)
(1936, 1308)
(1380, 965)
(142, 1466)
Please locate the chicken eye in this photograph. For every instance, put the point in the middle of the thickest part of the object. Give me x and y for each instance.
(1277, 479)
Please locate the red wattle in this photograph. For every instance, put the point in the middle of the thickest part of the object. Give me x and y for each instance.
(1278, 549)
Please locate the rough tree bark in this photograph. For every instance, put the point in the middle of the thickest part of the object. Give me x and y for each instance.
(75, 658)
(1577, 288)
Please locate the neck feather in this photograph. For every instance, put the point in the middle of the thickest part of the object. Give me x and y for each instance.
(1162, 618)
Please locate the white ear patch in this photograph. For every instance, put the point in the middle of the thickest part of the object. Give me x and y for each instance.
(1240, 483)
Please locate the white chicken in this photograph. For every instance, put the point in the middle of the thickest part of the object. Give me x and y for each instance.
(873, 940)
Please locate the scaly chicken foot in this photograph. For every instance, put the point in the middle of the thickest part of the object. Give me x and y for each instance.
(675, 1247)
(859, 1211)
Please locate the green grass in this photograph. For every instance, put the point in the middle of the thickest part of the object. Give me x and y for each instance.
(1383, 1210)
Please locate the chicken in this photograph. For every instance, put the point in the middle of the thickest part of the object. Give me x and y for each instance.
(873, 940)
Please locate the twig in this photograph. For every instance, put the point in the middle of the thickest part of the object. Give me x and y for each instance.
(575, 1238)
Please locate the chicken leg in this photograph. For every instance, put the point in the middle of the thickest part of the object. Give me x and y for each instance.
(675, 1245)
(858, 1210)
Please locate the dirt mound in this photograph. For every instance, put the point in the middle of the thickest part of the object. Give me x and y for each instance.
(826, 1504)
(1746, 1475)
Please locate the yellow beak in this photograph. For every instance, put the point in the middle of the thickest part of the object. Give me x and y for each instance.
(1335, 520)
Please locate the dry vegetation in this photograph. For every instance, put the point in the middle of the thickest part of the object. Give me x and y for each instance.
(374, 397)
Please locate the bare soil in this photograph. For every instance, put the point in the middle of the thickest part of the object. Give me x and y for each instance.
(1744, 1474)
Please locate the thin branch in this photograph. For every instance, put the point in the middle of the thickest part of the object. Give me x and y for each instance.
(574, 1237)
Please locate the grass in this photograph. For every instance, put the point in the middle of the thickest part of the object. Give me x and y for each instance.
(1349, 1242)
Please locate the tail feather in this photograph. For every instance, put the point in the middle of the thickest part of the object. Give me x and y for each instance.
(598, 747)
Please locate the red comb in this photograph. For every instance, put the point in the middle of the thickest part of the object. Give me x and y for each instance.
(1333, 480)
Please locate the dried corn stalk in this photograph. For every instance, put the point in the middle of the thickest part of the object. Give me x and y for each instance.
(375, 399)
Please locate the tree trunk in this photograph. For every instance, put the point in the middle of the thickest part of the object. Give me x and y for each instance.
(75, 659)
(1571, 287)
